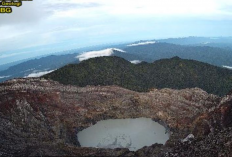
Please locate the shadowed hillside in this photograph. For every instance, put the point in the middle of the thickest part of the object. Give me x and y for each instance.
(173, 73)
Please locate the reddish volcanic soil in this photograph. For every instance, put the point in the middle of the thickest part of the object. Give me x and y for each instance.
(43, 117)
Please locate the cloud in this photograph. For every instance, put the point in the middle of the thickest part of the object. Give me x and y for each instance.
(93, 54)
(1, 77)
(93, 22)
(67, 6)
(159, 7)
(38, 74)
(101, 53)
(228, 67)
(135, 61)
(119, 50)
(29, 12)
(142, 43)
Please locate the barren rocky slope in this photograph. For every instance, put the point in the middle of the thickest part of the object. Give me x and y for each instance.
(217, 142)
(41, 117)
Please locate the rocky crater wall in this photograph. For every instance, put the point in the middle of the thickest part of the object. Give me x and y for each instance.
(43, 117)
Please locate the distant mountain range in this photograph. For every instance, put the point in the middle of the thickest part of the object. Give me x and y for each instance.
(221, 42)
(214, 51)
(212, 55)
(38, 67)
(173, 73)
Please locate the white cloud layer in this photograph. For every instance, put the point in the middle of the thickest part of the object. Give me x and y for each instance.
(142, 43)
(93, 54)
(38, 74)
(119, 50)
(228, 67)
(135, 61)
(1, 77)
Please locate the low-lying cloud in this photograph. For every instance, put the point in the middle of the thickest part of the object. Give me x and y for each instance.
(135, 61)
(119, 50)
(142, 43)
(38, 74)
(1, 77)
(228, 67)
(101, 53)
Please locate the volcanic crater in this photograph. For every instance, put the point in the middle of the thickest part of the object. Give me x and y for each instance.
(43, 117)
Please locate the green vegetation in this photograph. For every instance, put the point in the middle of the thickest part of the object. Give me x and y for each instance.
(173, 73)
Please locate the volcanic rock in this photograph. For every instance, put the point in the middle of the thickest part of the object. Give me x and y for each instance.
(218, 141)
(42, 117)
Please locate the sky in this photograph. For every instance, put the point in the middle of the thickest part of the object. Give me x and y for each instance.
(40, 27)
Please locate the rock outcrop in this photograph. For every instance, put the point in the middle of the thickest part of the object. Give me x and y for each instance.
(43, 117)
(217, 138)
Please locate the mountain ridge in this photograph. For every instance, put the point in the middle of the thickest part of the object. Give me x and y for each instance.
(173, 73)
(188, 48)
